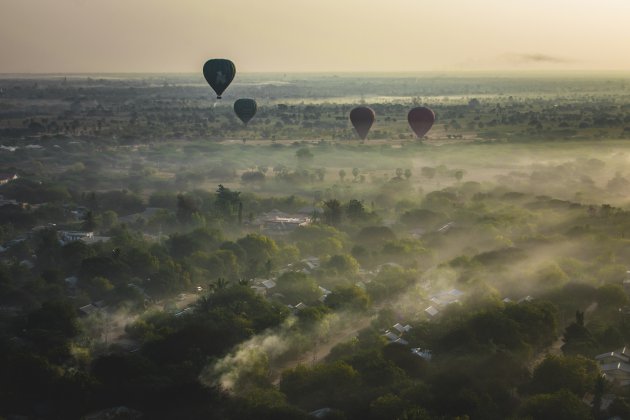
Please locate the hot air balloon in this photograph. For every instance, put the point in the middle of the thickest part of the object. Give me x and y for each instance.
(362, 118)
(421, 120)
(219, 73)
(245, 109)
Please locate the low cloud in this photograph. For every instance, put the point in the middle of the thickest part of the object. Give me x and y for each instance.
(535, 58)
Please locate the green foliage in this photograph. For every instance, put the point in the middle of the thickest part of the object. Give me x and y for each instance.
(227, 202)
(391, 279)
(342, 265)
(420, 218)
(252, 177)
(556, 373)
(296, 287)
(202, 239)
(259, 250)
(562, 405)
(375, 236)
(333, 212)
(322, 386)
(316, 239)
(304, 154)
(349, 298)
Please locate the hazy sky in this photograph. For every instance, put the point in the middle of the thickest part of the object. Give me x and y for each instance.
(313, 35)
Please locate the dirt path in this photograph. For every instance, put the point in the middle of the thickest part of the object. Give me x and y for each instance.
(115, 324)
(555, 349)
(320, 349)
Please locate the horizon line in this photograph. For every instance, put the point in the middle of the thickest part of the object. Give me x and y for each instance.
(328, 72)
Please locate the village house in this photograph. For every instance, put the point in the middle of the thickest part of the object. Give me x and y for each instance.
(7, 177)
(396, 332)
(279, 222)
(615, 366)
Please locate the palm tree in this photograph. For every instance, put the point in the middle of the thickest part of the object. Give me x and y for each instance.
(219, 284)
(332, 212)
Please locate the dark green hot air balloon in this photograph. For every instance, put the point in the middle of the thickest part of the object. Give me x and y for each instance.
(219, 73)
(245, 109)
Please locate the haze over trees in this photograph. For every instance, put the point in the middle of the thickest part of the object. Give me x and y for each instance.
(154, 263)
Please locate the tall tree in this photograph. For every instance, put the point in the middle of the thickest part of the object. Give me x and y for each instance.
(227, 202)
(332, 212)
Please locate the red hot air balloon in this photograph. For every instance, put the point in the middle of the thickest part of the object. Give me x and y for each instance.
(362, 119)
(421, 120)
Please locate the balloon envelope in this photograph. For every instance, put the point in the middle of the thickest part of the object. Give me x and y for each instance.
(362, 119)
(421, 120)
(219, 73)
(245, 109)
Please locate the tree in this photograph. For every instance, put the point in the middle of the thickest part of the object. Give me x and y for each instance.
(459, 174)
(577, 338)
(332, 212)
(342, 174)
(186, 207)
(89, 223)
(355, 210)
(226, 202)
(372, 236)
(355, 173)
(399, 173)
(259, 249)
(562, 405)
(575, 374)
(219, 284)
(428, 172)
(343, 264)
(51, 327)
(109, 219)
(97, 287)
(420, 218)
(304, 154)
(297, 287)
(253, 177)
(407, 173)
(327, 384)
(350, 297)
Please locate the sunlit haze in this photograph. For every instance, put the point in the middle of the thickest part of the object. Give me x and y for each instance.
(44, 36)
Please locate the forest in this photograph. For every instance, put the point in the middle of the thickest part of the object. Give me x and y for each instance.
(160, 260)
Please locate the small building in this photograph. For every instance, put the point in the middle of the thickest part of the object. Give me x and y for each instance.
(5, 177)
(268, 284)
(71, 282)
(446, 298)
(68, 236)
(260, 290)
(526, 299)
(391, 336)
(301, 306)
(423, 353)
(88, 309)
(402, 329)
(618, 373)
(615, 366)
(27, 263)
(612, 357)
(148, 213)
(395, 334)
(446, 227)
(431, 311)
(321, 413)
(416, 233)
(185, 311)
(279, 222)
